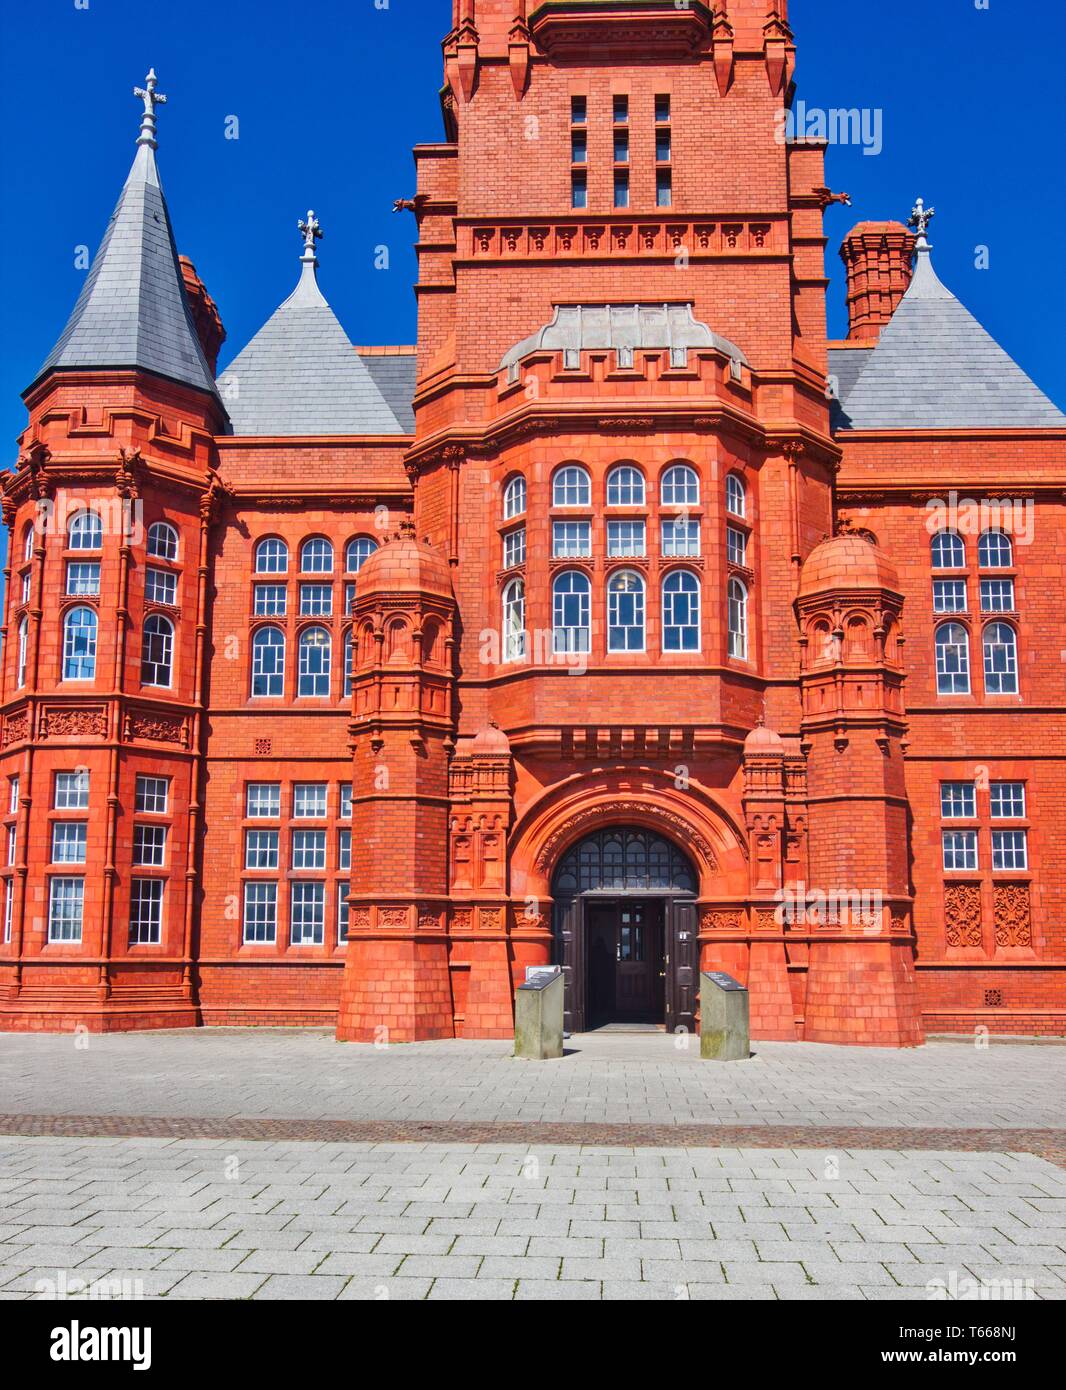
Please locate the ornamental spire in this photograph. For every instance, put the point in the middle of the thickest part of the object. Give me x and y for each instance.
(312, 232)
(920, 218)
(151, 99)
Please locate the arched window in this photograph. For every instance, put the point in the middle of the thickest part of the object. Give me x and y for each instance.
(157, 651)
(571, 611)
(514, 621)
(27, 542)
(349, 664)
(358, 553)
(995, 551)
(681, 612)
(79, 645)
(680, 486)
(23, 646)
(1001, 659)
(514, 498)
(86, 532)
(316, 653)
(271, 556)
(571, 487)
(268, 663)
(625, 612)
(952, 659)
(625, 486)
(738, 620)
(162, 541)
(316, 556)
(736, 496)
(949, 552)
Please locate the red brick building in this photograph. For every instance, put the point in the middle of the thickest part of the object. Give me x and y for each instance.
(623, 622)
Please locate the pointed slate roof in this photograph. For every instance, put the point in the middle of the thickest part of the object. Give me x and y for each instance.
(300, 374)
(132, 310)
(935, 367)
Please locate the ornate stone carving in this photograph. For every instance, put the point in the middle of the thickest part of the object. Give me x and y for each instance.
(462, 919)
(156, 728)
(490, 918)
(358, 919)
(74, 723)
(713, 919)
(1011, 910)
(16, 727)
(429, 921)
(962, 914)
(766, 919)
(392, 917)
(616, 812)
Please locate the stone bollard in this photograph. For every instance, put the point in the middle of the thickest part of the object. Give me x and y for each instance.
(725, 1034)
(538, 1015)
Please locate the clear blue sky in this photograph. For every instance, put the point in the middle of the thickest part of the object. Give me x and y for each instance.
(331, 95)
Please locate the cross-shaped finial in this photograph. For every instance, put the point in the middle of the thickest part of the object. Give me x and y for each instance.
(312, 231)
(151, 99)
(920, 218)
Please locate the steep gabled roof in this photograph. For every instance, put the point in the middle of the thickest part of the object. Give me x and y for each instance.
(935, 367)
(132, 310)
(300, 374)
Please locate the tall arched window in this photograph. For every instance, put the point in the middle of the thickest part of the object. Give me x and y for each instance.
(271, 556)
(162, 541)
(952, 659)
(27, 542)
(681, 612)
(571, 611)
(86, 532)
(23, 647)
(268, 663)
(349, 663)
(625, 486)
(736, 496)
(316, 556)
(514, 621)
(625, 612)
(571, 487)
(316, 653)
(157, 651)
(680, 486)
(995, 551)
(514, 498)
(738, 620)
(358, 553)
(1001, 659)
(948, 551)
(79, 645)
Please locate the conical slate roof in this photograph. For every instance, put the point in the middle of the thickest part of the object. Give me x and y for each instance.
(132, 310)
(300, 374)
(935, 367)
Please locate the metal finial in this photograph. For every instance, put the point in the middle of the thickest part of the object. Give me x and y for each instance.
(151, 99)
(312, 232)
(920, 218)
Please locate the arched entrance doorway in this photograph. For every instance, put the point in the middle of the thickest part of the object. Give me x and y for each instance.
(625, 931)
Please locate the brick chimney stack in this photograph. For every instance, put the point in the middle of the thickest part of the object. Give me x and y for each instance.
(877, 257)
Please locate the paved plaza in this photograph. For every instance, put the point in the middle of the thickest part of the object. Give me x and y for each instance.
(282, 1165)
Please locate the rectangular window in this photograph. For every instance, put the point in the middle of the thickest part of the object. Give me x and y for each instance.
(681, 538)
(12, 845)
(150, 846)
(1007, 800)
(349, 597)
(737, 543)
(1009, 850)
(514, 548)
(13, 796)
(69, 842)
(958, 800)
(152, 796)
(309, 801)
(344, 850)
(346, 801)
(960, 850)
(949, 595)
(9, 907)
(83, 577)
(271, 600)
(66, 904)
(160, 586)
(146, 912)
(308, 917)
(343, 889)
(662, 108)
(260, 914)
(579, 189)
(663, 145)
(625, 539)
(308, 849)
(316, 600)
(579, 110)
(621, 147)
(571, 540)
(71, 791)
(664, 188)
(260, 849)
(621, 110)
(263, 801)
(997, 595)
(621, 188)
(579, 147)
(27, 584)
